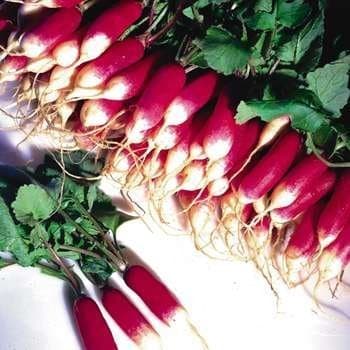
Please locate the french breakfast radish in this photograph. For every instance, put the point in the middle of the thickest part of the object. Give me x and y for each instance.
(270, 168)
(93, 328)
(155, 98)
(12, 66)
(192, 98)
(43, 37)
(337, 211)
(57, 3)
(97, 72)
(316, 190)
(129, 82)
(156, 296)
(108, 27)
(98, 112)
(130, 319)
(335, 256)
(296, 180)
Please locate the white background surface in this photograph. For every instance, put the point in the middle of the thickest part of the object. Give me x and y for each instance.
(230, 303)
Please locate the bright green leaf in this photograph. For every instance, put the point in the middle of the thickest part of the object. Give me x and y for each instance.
(32, 204)
(223, 52)
(330, 84)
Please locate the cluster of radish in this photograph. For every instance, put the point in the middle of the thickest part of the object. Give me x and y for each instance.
(252, 186)
(94, 330)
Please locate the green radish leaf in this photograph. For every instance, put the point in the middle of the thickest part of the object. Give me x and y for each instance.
(91, 195)
(262, 21)
(263, 5)
(223, 52)
(32, 204)
(292, 13)
(330, 85)
(303, 117)
(99, 267)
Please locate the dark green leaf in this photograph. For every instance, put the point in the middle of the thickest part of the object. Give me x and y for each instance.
(223, 52)
(38, 235)
(32, 204)
(292, 13)
(91, 195)
(88, 226)
(330, 84)
(303, 116)
(97, 267)
(263, 5)
(262, 21)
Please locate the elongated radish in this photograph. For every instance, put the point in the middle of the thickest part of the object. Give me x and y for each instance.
(155, 295)
(336, 256)
(119, 56)
(219, 131)
(99, 112)
(67, 52)
(246, 138)
(62, 78)
(129, 82)
(93, 328)
(155, 98)
(192, 98)
(270, 169)
(130, 319)
(296, 180)
(12, 66)
(43, 37)
(317, 189)
(337, 211)
(108, 27)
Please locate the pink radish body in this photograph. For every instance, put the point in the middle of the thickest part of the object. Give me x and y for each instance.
(317, 189)
(117, 57)
(93, 328)
(108, 27)
(43, 37)
(99, 112)
(130, 319)
(336, 256)
(296, 181)
(191, 99)
(129, 82)
(270, 169)
(336, 213)
(155, 98)
(155, 295)
(246, 138)
(219, 131)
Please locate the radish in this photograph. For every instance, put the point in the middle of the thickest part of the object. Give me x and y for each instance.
(336, 256)
(193, 175)
(57, 3)
(270, 168)
(108, 27)
(192, 98)
(259, 234)
(40, 65)
(246, 138)
(12, 66)
(336, 213)
(67, 52)
(119, 56)
(155, 98)
(218, 187)
(65, 111)
(316, 190)
(129, 82)
(219, 131)
(296, 180)
(99, 112)
(130, 319)
(93, 328)
(43, 37)
(62, 78)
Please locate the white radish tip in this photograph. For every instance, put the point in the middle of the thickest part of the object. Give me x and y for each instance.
(92, 115)
(82, 93)
(217, 149)
(149, 340)
(218, 187)
(176, 114)
(116, 89)
(281, 198)
(325, 239)
(66, 55)
(94, 46)
(215, 170)
(330, 266)
(32, 46)
(88, 79)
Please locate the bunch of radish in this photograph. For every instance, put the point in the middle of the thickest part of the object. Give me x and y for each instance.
(251, 187)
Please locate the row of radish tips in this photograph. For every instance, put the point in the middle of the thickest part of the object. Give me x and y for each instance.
(249, 190)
